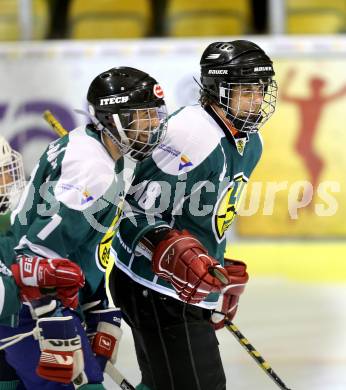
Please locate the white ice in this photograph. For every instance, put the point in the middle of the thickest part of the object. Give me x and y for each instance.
(299, 328)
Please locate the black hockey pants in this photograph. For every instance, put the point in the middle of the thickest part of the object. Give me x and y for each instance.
(176, 346)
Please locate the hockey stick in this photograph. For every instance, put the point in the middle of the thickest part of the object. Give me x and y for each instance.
(250, 349)
(114, 373)
(117, 377)
(244, 342)
(55, 124)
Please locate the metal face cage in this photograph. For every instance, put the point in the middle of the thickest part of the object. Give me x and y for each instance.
(12, 177)
(138, 131)
(248, 105)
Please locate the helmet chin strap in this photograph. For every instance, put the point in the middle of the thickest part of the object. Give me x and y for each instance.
(198, 83)
(120, 129)
(123, 150)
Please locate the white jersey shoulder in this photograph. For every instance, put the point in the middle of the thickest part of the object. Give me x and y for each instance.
(87, 171)
(192, 135)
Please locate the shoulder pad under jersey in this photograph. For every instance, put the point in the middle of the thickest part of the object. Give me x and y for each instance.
(192, 136)
(87, 171)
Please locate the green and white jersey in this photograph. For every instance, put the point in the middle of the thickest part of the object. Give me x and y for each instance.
(70, 203)
(9, 293)
(193, 181)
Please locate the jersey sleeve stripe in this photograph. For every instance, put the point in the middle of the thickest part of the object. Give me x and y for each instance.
(2, 295)
(37, 249)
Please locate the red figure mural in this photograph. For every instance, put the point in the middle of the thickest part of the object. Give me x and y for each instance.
(310, 110)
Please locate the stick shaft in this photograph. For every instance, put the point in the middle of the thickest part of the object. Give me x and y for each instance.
(250, 349)
(117, 377)
(255, 354)
(56, 125)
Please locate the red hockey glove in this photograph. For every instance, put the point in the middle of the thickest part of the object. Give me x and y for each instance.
(34, 275)
(228, 300)
(183, 261)
(104, 333)
(61, 358)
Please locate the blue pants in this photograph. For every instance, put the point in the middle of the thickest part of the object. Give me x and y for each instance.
(24, 356)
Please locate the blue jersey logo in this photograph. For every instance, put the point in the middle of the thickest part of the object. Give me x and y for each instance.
(87, 197)
(184, 162)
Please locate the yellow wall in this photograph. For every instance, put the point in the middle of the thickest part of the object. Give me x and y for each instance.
(300, 261)
(281, 163)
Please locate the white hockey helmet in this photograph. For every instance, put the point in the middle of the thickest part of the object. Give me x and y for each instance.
(12, 177)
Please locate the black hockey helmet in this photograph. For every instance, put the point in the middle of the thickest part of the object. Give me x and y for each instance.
(125, 103)
(239, 66)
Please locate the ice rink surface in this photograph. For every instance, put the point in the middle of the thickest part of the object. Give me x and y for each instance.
(298, 327)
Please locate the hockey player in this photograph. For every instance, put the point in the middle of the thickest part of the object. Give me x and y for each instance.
(12, 285)
(12, 182)
(171, 243)
(12, 289)
(69, 205)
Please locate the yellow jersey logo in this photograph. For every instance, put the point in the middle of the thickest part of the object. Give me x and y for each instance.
(227, 207)
(104, 248)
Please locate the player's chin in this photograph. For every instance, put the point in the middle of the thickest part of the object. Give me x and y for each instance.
(250, 118)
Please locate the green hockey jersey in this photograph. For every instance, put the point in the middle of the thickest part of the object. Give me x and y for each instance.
(193, 181)
(70, 203)
(9, 293)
